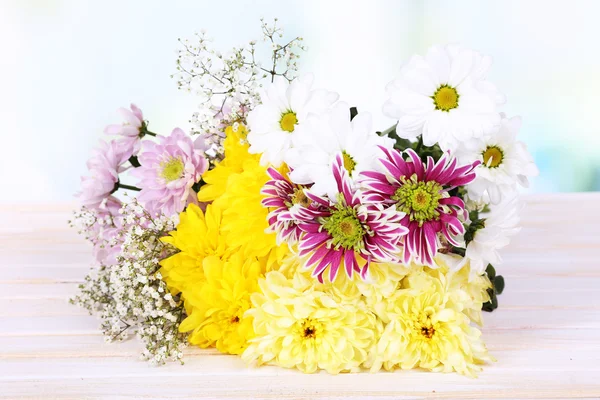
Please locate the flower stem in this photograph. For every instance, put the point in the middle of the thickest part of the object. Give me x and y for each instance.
(147, 132)
(128, 187)
(419, 144)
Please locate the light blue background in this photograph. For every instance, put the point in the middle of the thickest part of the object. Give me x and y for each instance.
(67, 65)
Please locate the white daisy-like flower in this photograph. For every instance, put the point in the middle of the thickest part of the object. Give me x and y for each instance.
(325, 136)
(496, 229)
(444, 96)
(285, 107)
(504, 163)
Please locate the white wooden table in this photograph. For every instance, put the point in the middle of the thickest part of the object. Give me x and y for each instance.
(545, 335)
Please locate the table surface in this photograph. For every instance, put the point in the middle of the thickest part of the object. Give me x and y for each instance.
(545, 335)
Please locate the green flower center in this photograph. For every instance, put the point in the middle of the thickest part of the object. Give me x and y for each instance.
(492, 157)
(345, 228)
(445, 98)
(349, 163)
(288, 121)
(172, 169)
(418, 199)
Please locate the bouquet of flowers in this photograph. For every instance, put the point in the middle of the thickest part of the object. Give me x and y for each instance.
(286, 229)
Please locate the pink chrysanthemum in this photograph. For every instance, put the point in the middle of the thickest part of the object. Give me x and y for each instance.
(105, 165)
(282, 196)
(420, 192)
(344, 229)
(167, 173)
(132, 129)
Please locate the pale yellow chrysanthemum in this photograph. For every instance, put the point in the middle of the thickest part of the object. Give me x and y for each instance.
(299, 326)
(216, 307)
(424, 330)
(236, 153)
(382, 279)
(468, 291)
(464, 291)
(197, 236)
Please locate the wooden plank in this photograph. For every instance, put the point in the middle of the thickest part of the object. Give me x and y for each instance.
(92, 345)
(216, 374)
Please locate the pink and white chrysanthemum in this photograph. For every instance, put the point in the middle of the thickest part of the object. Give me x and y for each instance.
(420, 193)
(285, 198)
(343, 230)
(105, 165)
(167, 173)
(131, 130)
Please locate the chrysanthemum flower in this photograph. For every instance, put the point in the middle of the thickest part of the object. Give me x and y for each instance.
(423, 330)
(235, 154)
(494, 233)
(281, 196)
(167, 173)
(420, 193)
(131, 130)
(505, 162)
(104, 166)
(466, 287)
(284, 107)
(299, 326)
(197, 237)
(216, 306)
(444, 96)
(323, 137)
(343, 230)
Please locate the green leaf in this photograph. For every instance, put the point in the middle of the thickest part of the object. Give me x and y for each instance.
(499, 284)
(492, 304)
(491, 272)
(353, 113)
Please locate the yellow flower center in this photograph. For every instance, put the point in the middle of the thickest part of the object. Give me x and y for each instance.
(288, 121)
(492, 157)
(299, 197)
(445, 98)
(172, 169)
(309, 329)
(349, 163)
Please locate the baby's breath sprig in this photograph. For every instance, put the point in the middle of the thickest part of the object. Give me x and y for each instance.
(228, 84)
(130, 296)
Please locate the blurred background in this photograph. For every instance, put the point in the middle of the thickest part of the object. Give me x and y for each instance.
(67, 65)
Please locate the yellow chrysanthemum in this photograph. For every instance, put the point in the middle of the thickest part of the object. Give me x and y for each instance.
(197, 236)
(235, 185)
(236, 153)
(216, 307)
(426, 330)
(299, 326)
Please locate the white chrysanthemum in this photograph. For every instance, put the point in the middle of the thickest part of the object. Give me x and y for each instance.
(504, 163)
(284, 108)
(324, 136)
(499, 225)
(444, 96)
